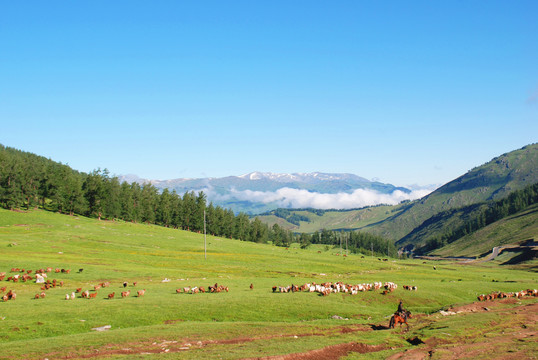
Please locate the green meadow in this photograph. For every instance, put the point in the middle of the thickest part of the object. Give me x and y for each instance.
(208, 325)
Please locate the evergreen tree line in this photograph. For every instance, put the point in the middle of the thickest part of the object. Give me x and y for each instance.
(354, 241)
(491, 212)
(29, 181)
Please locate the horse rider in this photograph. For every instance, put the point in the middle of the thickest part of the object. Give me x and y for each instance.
(401, 311)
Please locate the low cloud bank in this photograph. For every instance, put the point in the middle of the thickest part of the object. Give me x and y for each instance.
(297, 198)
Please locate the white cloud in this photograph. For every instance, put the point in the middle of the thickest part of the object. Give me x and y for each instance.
(297, 198)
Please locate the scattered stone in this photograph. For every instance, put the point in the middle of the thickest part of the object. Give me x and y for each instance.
(103, 328)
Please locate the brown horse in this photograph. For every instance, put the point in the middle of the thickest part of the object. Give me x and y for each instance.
(399, 318)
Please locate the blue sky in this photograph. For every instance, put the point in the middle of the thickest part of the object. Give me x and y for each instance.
(406, 92)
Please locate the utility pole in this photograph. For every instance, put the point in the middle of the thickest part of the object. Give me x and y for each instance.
(340, 242)
(205, 240)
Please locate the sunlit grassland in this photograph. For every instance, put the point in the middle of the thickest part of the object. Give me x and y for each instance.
(162, 260)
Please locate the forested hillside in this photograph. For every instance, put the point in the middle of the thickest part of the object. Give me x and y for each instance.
(491, 181)
(447, 227)
(28, 181)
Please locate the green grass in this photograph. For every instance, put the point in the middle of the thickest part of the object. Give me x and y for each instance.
(119, 251)
(511, 230)
(335, 220)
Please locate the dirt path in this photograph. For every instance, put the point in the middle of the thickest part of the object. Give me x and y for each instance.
(517, 340)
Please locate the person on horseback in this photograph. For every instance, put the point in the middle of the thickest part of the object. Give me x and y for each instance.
(401, 311)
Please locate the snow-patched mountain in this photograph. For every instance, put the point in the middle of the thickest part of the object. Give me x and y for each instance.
(257, 192)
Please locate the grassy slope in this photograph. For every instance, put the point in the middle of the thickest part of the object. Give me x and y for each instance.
(511, 230)
(336, 220)
(117, 252)
(493, 180)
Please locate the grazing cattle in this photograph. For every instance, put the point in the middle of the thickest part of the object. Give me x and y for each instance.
(134, 283)
(67, 297)
(92, 295)
(111, 295)
(42, 295)
(36, 296)
(73, 295)
(178, 291)
(141, 292)
(85, 294)
(125, 293)
(96, 287)
(79, 290)
(251, 286)
(3, 289)
(125, 284)
(519, 294)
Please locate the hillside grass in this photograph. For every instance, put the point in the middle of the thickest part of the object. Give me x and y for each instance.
(510, 230)
(335, 220)
(162, 260)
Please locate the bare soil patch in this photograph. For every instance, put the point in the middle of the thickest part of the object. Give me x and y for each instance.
(517, 340)
(333, 352)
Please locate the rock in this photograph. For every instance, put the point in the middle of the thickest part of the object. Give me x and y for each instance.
(103, 328)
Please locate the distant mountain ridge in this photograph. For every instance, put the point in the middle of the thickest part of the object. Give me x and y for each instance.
(257, 192)
(444, 210)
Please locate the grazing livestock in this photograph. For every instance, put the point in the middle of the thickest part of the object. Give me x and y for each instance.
(326, 288)
(73, 295)
(125, 293)
(141, 292)
(111, 295)
(92, 295)
(519, 295)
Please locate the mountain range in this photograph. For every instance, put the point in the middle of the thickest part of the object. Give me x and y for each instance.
(259, 192)
(411, 224)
